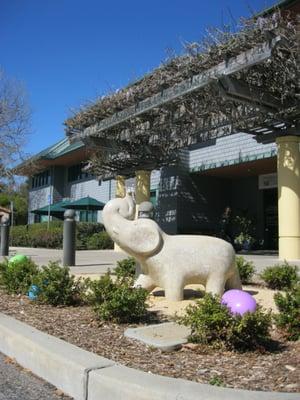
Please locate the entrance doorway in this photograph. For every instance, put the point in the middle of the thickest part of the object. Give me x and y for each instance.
(271, 219)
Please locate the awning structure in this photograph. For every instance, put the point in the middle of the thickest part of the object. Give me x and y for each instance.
(246, 80)
(56, 209)
(86, 203)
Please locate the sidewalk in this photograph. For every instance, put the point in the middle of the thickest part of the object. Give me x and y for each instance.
(90, 262)
(261, 261)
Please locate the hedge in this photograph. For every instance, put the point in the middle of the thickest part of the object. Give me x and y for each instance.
(88, 236)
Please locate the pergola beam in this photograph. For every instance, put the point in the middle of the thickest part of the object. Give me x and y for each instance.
(234, 89)
(235, 64)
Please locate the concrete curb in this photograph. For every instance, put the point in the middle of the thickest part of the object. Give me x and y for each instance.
(86, 376)
(58, 362)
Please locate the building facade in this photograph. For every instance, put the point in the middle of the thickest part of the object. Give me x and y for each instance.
(232, 171)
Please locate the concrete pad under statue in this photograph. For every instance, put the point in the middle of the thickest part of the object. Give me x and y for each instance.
(167, 336)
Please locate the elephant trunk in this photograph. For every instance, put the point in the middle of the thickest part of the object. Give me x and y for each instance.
(140, 238)
(117, 215)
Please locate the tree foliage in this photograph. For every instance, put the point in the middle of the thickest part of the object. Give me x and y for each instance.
(14, 122)
(18, 195)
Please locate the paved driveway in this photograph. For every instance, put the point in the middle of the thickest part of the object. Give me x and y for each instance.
(18, 384)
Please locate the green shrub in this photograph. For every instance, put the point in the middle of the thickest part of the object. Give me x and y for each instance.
(245, 268)
(51, 239)
(117, 301)
(17, 277)
(216, 381)
(58, 287)
(280, 276)
(19, 236)
(126, 304)
(288, 305)
(99, 241)
(100, 289)
(84, 231)
(125, 270)
(212, 324)
(39, 235)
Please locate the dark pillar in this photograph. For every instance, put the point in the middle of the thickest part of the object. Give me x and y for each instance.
(69, 238)
(4, 227)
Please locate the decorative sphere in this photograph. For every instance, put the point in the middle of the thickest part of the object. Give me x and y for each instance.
(33, 292)
(18, 258)
(238, 301)
(69, 214)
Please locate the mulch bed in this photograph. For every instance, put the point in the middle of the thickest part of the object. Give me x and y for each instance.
(269, 371)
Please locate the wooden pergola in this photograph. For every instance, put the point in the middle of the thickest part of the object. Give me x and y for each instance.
(243, 81)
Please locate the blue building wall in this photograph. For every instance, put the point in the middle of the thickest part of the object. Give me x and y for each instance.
(186, 201)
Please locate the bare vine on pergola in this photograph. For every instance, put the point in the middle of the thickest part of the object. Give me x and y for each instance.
(264, 94)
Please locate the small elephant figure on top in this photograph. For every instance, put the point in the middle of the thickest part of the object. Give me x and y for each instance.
(170, 261)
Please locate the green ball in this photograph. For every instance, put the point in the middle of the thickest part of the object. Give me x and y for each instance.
(18, 258)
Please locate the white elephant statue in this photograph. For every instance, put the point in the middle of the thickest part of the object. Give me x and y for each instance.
(170, 261)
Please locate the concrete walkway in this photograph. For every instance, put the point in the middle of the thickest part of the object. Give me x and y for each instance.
(261, 261)
(90, 262)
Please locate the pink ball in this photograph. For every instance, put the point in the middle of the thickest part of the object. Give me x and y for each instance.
(238, 301)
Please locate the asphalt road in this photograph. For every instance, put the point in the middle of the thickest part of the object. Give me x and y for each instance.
(19, 384)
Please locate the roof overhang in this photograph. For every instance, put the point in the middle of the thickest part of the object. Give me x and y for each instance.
(67, 155)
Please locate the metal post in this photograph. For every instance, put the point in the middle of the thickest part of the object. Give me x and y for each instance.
(69, 238)
(4, 227)
(11, 221)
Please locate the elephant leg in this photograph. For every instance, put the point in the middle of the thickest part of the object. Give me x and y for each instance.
(215, 284)
(174, 292)
(138, 270)
(145, 282)
(233, 282)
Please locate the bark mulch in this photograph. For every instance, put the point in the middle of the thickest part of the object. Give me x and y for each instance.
(268, 371)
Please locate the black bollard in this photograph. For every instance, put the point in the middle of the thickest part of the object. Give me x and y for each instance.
(146, 210)
(4, 227)
(69, 238)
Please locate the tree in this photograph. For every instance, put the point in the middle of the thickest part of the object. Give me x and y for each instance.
(18, 195)
(14, 123)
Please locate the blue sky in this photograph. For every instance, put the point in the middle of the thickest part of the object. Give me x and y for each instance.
(67, 52)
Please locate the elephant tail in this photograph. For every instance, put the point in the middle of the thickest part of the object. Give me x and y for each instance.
(234, 281)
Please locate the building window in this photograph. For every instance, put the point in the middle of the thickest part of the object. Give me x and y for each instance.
(41, 179)
(75, 173)
(37, 218)
(88, 216)
(153, 197)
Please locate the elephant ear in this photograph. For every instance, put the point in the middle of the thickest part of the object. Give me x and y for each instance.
(144, 237)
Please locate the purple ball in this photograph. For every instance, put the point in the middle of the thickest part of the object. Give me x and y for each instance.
(238, 301)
